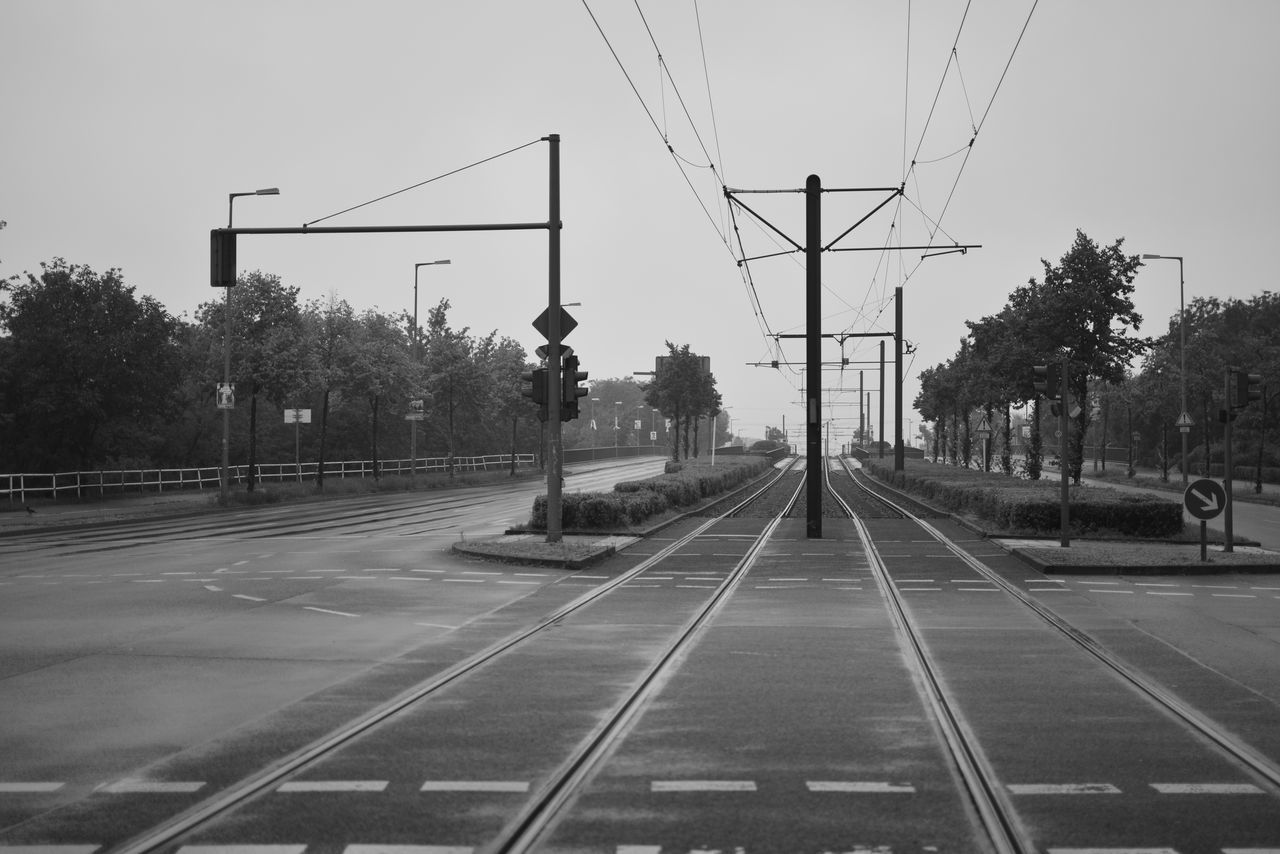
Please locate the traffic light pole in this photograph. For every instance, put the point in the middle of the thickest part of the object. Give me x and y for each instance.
(1064, 426)
(555, 478)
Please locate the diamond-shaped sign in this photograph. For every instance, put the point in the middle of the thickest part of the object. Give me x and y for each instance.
(567, 323)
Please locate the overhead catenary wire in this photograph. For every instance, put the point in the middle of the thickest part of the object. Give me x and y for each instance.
(424, 183)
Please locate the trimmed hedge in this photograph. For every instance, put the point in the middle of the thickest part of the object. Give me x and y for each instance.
(1026, 506)
(634, 501)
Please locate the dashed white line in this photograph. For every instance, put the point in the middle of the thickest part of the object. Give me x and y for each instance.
(1063, 789)
(157, 787)
(702, 786)
(859, 787)
(213, 588)
(408, 849)
(328, 611)
(1207, 789)
(475, 786)
(242, 849)
(333, 786)
(247, 597)
(48, 849)
(16, 788)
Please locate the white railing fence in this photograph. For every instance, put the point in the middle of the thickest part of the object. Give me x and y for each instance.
(96, 484)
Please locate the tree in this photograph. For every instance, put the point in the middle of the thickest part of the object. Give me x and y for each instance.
(89, 370)
(381, 369)
(682, 392)
(329, 327)
(266, 358)
(1084, 307)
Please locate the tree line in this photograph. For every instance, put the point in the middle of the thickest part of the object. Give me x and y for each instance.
(1080, 312)
(94, 376)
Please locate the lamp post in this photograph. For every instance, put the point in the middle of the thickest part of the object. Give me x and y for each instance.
(1184, 418)
(616, 404)
(224, 477)
(416, 340)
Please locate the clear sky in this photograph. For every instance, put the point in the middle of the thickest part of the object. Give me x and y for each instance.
(127, 123)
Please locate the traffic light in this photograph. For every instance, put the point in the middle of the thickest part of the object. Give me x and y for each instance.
(222, 258)
(537, 390)
(570, 376)
(1248, 389)
(1048, 380)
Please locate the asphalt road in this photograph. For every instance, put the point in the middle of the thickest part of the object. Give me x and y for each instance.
(144, 642)
(165, 660)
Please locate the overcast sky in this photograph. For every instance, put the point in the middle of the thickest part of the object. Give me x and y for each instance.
(127, 123)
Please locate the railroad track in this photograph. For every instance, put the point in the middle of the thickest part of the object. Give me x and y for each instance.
(630, 657)
(1005, 828)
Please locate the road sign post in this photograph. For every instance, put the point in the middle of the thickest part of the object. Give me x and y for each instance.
(1204, 499)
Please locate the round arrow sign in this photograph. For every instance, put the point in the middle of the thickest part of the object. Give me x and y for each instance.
(1204, 498)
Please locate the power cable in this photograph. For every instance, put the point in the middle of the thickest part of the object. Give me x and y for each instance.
(424, 183)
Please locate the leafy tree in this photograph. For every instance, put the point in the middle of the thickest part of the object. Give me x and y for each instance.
(266, 358)
(381, 369)
(683, 393)
(328, 329)
(1084, 307)
(89, 370)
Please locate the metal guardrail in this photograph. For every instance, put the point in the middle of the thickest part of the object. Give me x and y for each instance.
(23, 487)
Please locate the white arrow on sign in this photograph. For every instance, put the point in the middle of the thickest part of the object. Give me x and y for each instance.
(1210, 501)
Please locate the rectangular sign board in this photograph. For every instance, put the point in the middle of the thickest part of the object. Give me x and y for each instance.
(297, 416)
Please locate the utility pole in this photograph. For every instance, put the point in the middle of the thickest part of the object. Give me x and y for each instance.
(813, 354)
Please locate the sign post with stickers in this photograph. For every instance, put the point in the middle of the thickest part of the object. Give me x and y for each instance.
(1204, 499)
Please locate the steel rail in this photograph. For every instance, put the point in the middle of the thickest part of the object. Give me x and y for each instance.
(995, 812)
(1261, 766)
(537, 818)
(256, 784)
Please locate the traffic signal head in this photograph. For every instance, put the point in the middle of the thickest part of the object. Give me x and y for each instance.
(570, 391)
(1048, 380)
(222, 258)
(1248, 389)
(536, 390)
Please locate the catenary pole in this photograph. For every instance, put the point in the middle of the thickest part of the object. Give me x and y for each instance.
(813, 355)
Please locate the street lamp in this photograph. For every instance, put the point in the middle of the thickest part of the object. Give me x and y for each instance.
(416, 340)
(224, 476)
(616, 404)
(1184, 418)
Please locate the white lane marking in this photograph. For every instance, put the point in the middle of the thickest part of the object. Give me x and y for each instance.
(213, 588)
(1110, 591)
(247, 597)
(381, 569)
(595, 577)
(1167, 593)
(1251, 851)
(478, 572)
(9, 788)
(696, 586)
(638, 849)
(978, 590)
(528, 574)
(437, 571)
(817, 554)
(1048, 590)
(1047, 580)
(474, 786)
(170, 573)
(915, 580)
(1155, 584)
(788, 579)
(1063, 789)
(304, 578)
(1234, 595)
(1207, 789)
(520, 582)
(1112, 851)
(1217, 586)
(409, 578)
(702, 786)
(48, 849)
(919, 589)
(131, 786)
(327, 611)
(333, 786)
(408, 849)
(144, 581)
(1263, 588)
(1100, 582)
(465, 580)
(860, 787)
(242, 849)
